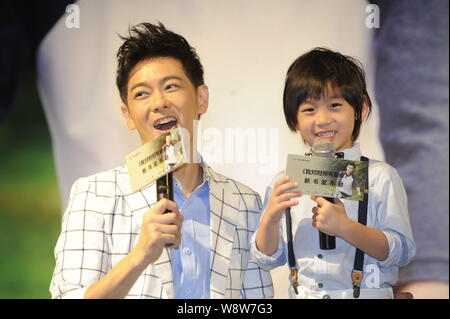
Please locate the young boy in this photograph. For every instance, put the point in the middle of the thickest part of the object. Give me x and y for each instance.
(325, 98)
(112, 240)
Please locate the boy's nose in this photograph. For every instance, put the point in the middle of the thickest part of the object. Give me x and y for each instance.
(323, 118)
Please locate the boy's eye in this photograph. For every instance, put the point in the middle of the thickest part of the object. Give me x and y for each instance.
(308, 109)
(171, 86)
(335, 105)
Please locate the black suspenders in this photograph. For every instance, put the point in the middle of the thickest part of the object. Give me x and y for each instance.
(357, 272)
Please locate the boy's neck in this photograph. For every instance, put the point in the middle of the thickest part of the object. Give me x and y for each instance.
(190, 176)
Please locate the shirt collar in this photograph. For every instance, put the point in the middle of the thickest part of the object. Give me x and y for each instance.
(205, 177)
(353, 153)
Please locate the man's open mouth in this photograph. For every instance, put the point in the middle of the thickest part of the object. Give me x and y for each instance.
(165, 123)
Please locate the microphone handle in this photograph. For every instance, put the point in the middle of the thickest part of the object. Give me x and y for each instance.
(327, 242)
(164, 189)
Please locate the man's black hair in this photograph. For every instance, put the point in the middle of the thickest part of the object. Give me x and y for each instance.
(146, 41)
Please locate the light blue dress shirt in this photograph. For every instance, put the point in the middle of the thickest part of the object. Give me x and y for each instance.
(191, 261)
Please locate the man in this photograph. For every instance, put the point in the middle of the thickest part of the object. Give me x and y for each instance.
(112, 240)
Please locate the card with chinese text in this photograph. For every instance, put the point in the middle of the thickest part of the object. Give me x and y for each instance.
(163, 154)
(328, 177)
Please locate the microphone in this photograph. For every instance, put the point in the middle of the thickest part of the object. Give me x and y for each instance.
(323, 148)
(164, 189)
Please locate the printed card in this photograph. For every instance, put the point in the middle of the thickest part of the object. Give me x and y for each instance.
(328, 177)
(156, 158)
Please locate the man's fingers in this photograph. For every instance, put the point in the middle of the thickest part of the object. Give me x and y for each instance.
(168, 218)
(164, 204)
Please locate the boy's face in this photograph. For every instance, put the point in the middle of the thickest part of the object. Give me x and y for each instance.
(160, 95)
(330, 118)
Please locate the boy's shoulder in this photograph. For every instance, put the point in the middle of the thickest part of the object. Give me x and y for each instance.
(380, 169)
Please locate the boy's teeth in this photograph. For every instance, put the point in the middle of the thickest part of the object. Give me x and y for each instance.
(327, 134)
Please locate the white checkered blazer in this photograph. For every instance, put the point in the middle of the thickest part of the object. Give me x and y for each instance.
(102, 223)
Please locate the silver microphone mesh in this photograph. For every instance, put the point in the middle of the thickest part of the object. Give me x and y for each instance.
(323, 148)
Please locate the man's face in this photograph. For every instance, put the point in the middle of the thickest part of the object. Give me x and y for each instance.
(160, 95)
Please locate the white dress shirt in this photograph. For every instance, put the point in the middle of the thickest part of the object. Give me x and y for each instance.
(327, 273)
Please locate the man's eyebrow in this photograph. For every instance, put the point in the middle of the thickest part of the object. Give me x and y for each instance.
(163, 80)
(143, 83)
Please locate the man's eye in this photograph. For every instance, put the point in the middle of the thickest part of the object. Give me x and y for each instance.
(140, 94)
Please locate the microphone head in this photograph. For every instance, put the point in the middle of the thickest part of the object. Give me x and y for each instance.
(323, 148)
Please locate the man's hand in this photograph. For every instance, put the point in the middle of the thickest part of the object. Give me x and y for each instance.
(158, 229)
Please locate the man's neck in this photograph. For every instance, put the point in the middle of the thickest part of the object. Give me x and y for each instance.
(190, 176)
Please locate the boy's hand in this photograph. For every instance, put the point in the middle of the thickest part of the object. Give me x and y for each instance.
(329, 218)
(280, 199)
(159, 228)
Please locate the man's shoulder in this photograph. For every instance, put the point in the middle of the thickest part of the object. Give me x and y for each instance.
(104, 181)
(219, 182)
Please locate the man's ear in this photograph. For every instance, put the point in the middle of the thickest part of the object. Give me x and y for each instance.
(202, 99)
(127, 116)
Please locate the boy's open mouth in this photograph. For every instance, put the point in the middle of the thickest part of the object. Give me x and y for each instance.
(165, 123)
(327, 134)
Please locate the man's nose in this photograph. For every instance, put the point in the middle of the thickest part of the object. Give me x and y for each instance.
(158, 101)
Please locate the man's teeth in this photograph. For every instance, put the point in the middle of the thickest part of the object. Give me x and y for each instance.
(166, 120)
(326, 134)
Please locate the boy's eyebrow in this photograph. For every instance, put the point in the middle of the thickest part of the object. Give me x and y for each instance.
(164, 79)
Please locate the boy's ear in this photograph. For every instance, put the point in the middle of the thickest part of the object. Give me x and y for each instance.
(202, 99)
(126, 115)
(365, 111)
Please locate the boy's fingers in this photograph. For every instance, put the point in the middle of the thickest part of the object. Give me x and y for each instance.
(281, 181)
(319, 200)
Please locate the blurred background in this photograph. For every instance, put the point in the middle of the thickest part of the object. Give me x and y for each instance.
(29, 197)
(50, 66)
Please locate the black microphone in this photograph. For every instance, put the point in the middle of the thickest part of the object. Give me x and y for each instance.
(164, 189)
(325, 149)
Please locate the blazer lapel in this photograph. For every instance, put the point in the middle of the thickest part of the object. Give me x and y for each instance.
(223, 227)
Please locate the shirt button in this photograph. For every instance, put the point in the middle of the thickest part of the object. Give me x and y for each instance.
(187, 290)
(320, 285)
(187, 251)
(319, 256)
(326, 297)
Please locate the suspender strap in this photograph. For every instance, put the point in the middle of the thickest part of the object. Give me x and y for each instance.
(357, 272)
(291, 256)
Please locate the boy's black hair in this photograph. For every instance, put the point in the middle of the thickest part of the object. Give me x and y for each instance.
(310, 75)
(351, 164)
(146, 41)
